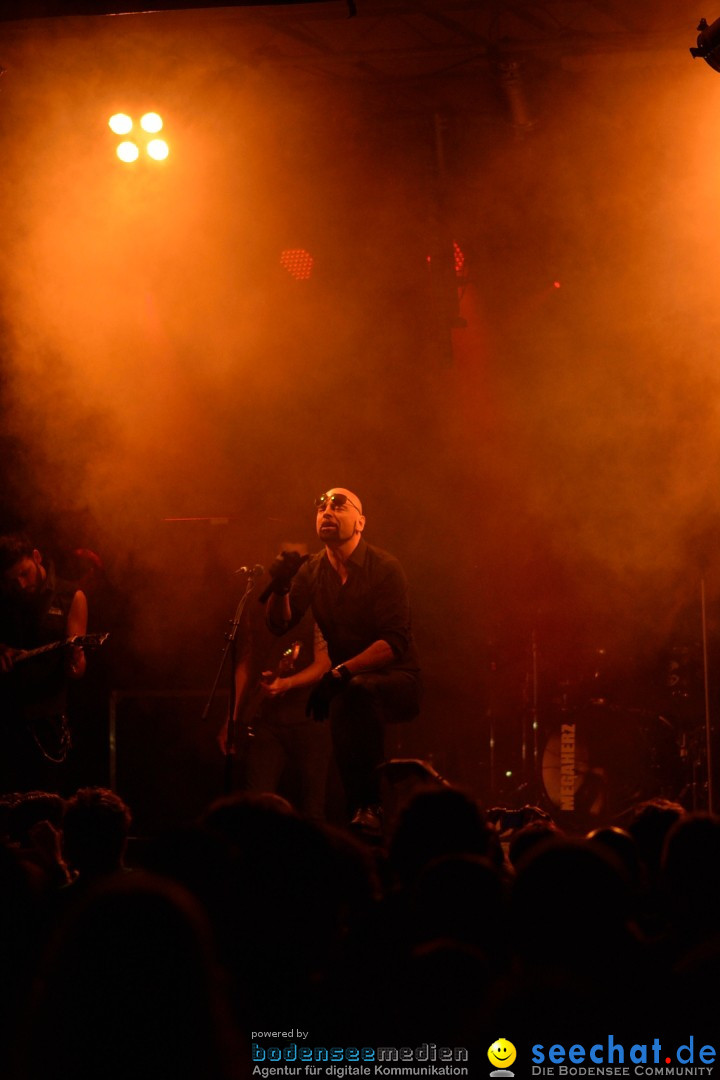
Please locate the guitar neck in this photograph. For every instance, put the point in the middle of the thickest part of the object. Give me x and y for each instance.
(80, 640)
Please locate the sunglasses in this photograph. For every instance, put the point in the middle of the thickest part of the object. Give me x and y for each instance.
(336, 502)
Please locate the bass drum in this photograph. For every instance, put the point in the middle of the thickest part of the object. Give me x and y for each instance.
(599, 760)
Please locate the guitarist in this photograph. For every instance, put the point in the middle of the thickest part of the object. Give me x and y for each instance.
(277, 740)
(36, 608)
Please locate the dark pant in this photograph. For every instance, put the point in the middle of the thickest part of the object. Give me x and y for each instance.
(32, 756)
(302, 745)
(357, 718)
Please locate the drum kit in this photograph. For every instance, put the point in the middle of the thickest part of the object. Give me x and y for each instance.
(585, 754)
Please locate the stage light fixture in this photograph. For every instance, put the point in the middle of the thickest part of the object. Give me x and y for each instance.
(152, 123)
(120, 124)
(708, 43)
(298, 263)
(128, 151)
(158, 149)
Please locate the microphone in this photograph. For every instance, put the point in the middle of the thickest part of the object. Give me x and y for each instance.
(282, 570)
(252, 571)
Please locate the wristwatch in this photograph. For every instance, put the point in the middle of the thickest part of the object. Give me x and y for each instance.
(341, 672)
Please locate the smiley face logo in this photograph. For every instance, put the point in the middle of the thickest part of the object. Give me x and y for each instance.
(502, 1053)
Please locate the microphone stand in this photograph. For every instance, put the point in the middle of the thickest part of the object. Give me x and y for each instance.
(529, 726)
(709, 765)
(230, 650)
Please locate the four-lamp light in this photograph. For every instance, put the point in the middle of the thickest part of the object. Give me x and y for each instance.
(150, 124)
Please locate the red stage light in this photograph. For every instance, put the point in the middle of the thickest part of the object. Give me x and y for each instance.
(556, 284)
(298, 263)
(458, 259)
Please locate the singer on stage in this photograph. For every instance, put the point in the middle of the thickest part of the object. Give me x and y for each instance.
(359, 597)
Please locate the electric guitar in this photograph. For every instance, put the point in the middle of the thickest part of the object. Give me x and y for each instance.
(83, 641)
(251, 711)
(258, 698)
(42, 717)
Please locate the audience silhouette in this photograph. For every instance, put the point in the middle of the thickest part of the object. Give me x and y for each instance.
(162, 958)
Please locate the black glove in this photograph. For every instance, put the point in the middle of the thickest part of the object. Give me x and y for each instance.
(322, 693)
(282, 570)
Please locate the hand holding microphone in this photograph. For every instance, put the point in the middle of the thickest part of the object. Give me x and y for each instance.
(282, 570)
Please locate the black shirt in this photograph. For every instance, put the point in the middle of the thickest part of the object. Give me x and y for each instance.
(372, 605)
(27, 622)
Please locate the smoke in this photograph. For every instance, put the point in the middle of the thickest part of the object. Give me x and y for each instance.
(162, 364)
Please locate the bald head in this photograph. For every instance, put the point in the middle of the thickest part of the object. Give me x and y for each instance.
(349, 495)
(340, 518)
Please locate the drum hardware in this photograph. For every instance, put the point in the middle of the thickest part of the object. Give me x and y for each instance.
(529, 732)
(526, 785)
(490, 715)
(505, 741)
(695, 792)
(503, 819)
(706, 683)
(683, 676)
(587, 681)
(579, 748)
(599, 760)
(687, 683)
